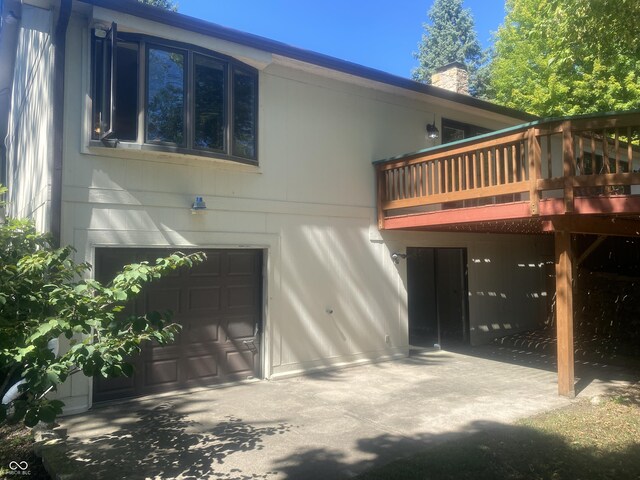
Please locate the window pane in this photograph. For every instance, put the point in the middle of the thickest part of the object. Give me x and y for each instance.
(451, 134)
(101, 86)
(98, 90)
(126, 113)
(209, 108)
(165, 90)
(244, 114)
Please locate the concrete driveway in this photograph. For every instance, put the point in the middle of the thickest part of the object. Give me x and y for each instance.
(328, 426)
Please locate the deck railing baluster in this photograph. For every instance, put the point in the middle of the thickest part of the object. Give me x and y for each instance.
(617, 147)
(549, 157)
(629, 150)
(599, 156)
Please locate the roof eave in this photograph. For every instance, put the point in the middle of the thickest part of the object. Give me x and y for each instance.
(261, 43)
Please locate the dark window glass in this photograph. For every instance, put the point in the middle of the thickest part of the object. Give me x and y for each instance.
(101, 86)
(244, 114)
(451, 134)
(209, 104)
(98, 89)
(126, 112)
(192, 99)
(452, 130)
(165, 96)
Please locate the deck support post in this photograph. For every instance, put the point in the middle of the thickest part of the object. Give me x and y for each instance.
(564, 312)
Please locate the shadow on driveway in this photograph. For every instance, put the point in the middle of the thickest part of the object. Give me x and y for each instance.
(332, 425)
(163, 443)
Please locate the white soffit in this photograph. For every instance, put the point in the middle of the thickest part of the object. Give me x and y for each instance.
(258, 59)
(430, 100)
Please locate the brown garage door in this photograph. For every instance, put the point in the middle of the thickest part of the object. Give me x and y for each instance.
(218, 304)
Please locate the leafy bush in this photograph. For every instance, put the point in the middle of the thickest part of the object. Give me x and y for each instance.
(43, 296)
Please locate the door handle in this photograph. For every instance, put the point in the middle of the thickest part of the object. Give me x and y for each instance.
(250, 344)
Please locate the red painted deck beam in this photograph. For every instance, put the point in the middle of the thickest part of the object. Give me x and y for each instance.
(619, 204)
(585, 211)
(488, 213)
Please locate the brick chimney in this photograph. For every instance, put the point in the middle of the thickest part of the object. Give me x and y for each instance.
(453, 77)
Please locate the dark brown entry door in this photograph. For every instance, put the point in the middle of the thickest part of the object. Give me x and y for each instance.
(437, 296)
(451, 293)
(218, 304)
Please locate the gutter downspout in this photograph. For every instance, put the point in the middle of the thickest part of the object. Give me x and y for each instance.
(10, 14)
(59, 42)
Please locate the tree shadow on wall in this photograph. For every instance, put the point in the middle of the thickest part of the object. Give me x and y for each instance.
(163, 443)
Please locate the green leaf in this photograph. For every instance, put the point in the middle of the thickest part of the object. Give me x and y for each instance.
(19, 410)
(139, 325)
(120, 295)
(57, 405)
(54, 378)
(127, 369)
(47, 414)
(23, 352)
(31, 418)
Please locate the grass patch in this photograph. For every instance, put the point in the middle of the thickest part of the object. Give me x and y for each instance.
(16, 445)
(580, 442)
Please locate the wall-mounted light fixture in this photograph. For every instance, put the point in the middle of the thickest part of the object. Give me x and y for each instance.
(198, 205)
(101, 30)
(432, 130)
(396, 256)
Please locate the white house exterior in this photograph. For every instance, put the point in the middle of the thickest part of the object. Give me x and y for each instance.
(330, 292)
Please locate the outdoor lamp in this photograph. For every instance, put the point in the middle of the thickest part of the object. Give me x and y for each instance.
(198, 205)
(396, 256)
(432, 130)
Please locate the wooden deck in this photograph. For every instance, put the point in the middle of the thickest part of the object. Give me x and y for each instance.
(532, 178)
(560, 176)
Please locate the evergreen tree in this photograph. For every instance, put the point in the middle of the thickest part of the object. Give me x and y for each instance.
(449, 36)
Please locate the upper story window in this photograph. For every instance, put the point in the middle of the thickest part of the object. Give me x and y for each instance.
(453, 131)
(171, 96)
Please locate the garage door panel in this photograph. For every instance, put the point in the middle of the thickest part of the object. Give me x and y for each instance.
(240, 327)
(202, 367)
(210, 268)
(161, 372)
(201, 330)
(239, 263)
(241, 297)
(218, 304)
(124, 385)
(160, 352)
(203, 299)
(239, 361)
(163, 299)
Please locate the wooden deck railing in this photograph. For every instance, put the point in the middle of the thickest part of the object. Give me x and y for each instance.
(583, 156)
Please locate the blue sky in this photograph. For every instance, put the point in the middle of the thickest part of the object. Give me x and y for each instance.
(376, 33)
